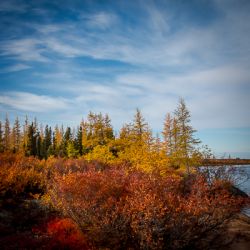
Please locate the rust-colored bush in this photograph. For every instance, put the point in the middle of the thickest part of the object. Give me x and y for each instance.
(65, 234)
(93, 199)
(117, 209)
(170, 219)
(21, 176)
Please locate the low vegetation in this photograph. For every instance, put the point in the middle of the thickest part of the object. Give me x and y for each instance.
(95, 190)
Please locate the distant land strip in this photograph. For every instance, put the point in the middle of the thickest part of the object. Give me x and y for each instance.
(219, 162)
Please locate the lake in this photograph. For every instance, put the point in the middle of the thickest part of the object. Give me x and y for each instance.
(241, 175)
(244, 183)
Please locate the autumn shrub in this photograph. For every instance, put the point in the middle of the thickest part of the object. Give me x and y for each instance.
(60, 233)
(21, 176)
(94, 199)
(65, 234)
(62, 166)
(118, 209)
(172, 219)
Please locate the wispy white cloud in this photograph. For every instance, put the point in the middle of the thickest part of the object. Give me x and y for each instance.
(217, 97)
(33, 102)
(149, 43)
(26, 49)
(15, 68)
(100, 20)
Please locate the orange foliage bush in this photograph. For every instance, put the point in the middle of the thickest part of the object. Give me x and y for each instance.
(93, 199)
(21, 175)
(60, 233)
(65, 234)
(119, 209)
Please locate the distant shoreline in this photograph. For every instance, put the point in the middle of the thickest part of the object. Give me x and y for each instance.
(220, 162)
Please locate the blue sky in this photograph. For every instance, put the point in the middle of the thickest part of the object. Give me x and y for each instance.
(60, 59)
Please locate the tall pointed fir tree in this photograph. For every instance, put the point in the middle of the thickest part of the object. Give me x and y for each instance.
(185, 141)
(108, 129)
(7, 134)
(16, 136)
(67, 139)
(168, 134)
(25, 134)
(31, 149)
(47, 141)
(84, 126)
(78, 140)
(140, 127)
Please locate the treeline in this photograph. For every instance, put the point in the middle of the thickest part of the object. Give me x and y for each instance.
(95, 138)
(40, 141)
(34, 140)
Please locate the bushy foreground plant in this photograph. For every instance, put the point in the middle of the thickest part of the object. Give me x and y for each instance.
(118, 209)
(21, 176)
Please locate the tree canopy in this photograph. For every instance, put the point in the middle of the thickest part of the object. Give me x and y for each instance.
(94, 139)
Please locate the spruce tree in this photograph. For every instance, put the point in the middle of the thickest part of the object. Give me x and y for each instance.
(39, 145)
(31, 149)
(185, 139)
(7, 134)
(108, 129)
(47, 141)
(16, 135)
(168, 134)
(140, 127)
(25, 134)
(67, 138)
(78, 140)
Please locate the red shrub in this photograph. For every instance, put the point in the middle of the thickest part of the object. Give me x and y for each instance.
(165, 218)
(94, 200)
(21, 176)
(65, 233)
(117, 209)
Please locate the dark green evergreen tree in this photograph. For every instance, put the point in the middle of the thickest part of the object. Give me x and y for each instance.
(6, 139)
(47, 141)
(67, 138)
(16, 136)
(78, 140)
(39, 145)
(108, 129)
(31, 149)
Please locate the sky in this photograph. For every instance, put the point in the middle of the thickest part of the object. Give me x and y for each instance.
(61, 59)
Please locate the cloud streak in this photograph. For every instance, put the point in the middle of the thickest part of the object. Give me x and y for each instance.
(32, 102)
(15, 68)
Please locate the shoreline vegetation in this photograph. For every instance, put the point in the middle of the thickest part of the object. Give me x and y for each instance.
(92, 189)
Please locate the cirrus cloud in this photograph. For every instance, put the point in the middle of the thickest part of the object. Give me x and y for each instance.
(31, 102)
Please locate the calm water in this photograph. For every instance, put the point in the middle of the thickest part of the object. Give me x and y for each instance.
(244, 173)
(244, 184)
(241, 176)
